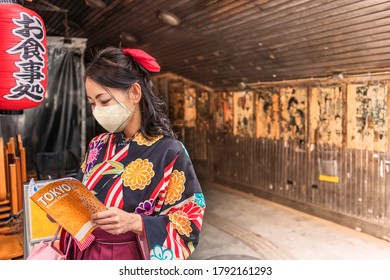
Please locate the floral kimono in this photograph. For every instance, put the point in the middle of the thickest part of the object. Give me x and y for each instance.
(154, 178)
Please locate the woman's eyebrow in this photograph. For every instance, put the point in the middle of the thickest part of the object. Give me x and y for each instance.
(97, 95)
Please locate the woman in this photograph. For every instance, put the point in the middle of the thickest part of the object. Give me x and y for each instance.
(138, 169)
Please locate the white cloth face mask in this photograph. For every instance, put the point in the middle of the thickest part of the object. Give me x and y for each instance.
(113, 118)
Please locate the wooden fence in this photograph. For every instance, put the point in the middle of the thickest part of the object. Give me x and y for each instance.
(288, 173)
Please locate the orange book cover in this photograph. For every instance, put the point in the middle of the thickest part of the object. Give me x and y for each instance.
(70, 204)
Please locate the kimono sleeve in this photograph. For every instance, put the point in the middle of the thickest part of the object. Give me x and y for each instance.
(174, 231)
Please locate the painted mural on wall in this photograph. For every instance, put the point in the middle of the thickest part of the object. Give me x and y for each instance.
(367, 112)
(216, 110)
(243, 113)
(228, 112)
(203, 124)
(326, 115)
(293, 119)
(267, 113)
(203, 109)
(176, 103)
(189, 106)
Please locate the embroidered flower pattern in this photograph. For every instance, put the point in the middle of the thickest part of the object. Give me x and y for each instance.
(94, 153)
(181, 219)
(141, 140)
(181, 223)
(199, 199)
(175, 187)
(192, 210)
(160, 253)
(138, 174)
(146, 208)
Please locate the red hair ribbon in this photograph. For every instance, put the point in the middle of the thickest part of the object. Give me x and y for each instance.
(143, 59)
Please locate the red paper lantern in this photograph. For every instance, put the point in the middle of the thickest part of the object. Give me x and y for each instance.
(23, 58)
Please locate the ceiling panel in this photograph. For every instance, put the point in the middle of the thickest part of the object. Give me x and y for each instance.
(221, 43)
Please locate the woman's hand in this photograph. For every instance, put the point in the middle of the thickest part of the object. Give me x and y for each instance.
(117, 221)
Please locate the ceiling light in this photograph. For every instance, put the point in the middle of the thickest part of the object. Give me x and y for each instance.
(169, 18)
(127, 37)
(95, 4)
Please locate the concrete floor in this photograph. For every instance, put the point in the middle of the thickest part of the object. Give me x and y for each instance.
(242, 226)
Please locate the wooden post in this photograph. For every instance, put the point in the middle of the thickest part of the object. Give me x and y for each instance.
(11, 146)
(14, 188)
(9, 159)
(22, 155)
(19, 185)
(20, 142)
(3, 178)
(23, 165)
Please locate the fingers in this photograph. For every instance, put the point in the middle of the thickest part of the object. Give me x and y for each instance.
(108, 217)
(102, 215)
(114, 220)
(110, 227)
(106, 221)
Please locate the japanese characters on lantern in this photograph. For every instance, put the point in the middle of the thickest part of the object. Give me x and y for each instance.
(24, 58)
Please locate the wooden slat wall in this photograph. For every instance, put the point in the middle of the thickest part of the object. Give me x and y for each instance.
(288, 174)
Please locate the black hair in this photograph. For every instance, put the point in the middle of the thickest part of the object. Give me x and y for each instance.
(114, 69)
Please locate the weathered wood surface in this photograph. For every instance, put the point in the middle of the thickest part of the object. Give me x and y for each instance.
(288, 173)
